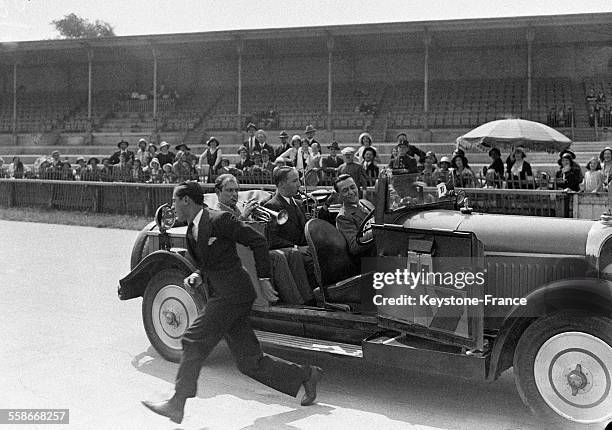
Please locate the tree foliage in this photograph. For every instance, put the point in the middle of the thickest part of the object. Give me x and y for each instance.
(73, 26)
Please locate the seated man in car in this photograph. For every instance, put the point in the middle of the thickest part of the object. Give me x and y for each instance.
(290, 236)
(351, 215)
(291, 284)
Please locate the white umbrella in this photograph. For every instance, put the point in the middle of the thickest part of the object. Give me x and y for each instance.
(506, 133)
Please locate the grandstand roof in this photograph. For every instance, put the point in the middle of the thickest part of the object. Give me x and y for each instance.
(557, 29)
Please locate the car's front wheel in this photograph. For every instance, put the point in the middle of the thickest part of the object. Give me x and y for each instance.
(167, 310)
(563, 367)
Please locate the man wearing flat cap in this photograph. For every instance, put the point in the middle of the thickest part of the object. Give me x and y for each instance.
(333, 160)
(129, 155)
(284, 145)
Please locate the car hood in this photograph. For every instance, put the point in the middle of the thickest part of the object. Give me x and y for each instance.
(511, 233)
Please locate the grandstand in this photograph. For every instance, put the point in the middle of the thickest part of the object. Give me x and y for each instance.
(435, 80)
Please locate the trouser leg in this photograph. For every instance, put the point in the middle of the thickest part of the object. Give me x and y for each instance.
(283, 279)
(303, 282)
(281, 375)
(198, 342)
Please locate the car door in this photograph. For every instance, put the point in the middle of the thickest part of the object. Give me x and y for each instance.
(429, 284)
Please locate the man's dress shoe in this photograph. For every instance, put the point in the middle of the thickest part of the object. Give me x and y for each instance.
(310, 386)
(167, 408)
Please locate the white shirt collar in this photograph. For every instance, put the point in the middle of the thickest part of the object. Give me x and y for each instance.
(196, 223)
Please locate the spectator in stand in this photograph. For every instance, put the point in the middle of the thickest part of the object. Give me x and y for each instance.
(142, 154)
(210, 160)
(261, 139)
(153, 172)
(244, 164)
(66, 173)
(568, 175)
(251, 143)
(3, 169)
(369, 164)
(122, 171)
(496, 163)
(315, 156)
(129, 155)
(80, 168)
(429, 168)
(404, 161)
(56, 165)
(187, 155)
(355, 170)
(592, 116)
(16, 169)
(605, 156)
(394, 153)
(266, 164)
(593, 177)
(570, 117)
(412, 150)
(303, 157)
(332, 161)
(284, 145)
(152, 153)
(463, 175)
(106, 172)
(518, 169)
(168, 177)
(137, 172)
(491, 179)
(225, 166)
(255, 169)
(165, 156)
(92, 171)
(182, 167)
(365, 141)
(601, 97)
(290, 155)
(309, 132)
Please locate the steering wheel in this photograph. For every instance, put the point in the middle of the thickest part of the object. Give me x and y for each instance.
(364, 234)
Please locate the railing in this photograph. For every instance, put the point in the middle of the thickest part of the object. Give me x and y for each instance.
(143, 199)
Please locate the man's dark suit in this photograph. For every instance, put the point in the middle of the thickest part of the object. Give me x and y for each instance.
(348, 221)
(226, 314)
(129, 157)
(292, 232)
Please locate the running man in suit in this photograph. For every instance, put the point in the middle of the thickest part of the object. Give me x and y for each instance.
(211, 241)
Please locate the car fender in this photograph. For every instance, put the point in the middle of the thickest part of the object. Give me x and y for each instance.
(588, 294)
(139, 245)
(135, 283)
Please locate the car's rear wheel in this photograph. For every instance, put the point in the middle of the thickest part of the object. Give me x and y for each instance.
(563, 367)
(167, 310)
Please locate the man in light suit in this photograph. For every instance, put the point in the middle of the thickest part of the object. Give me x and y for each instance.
(211, 241)
(351, 215)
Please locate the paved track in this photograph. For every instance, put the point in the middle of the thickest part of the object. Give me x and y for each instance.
(68, 342)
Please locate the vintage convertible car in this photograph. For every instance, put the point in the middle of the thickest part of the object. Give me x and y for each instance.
(540, 299)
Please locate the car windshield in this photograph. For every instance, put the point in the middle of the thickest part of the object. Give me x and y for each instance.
(408, 190)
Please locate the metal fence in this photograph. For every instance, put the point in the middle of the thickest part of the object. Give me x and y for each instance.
(143, 199)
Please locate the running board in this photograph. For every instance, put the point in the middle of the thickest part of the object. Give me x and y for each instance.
(298, 342)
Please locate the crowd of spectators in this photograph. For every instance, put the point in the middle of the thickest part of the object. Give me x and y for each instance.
(561, 116)
(600, 112)
(258, 160)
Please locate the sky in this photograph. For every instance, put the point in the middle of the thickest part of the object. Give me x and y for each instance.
(30, 19)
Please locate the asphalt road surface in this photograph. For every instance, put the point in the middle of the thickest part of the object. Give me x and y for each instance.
(68, 342)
